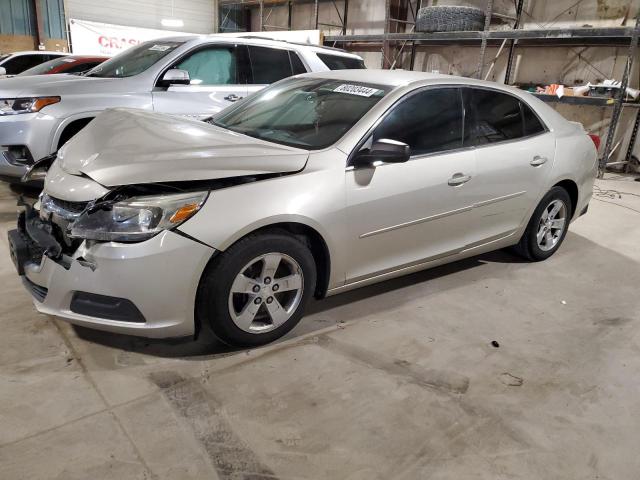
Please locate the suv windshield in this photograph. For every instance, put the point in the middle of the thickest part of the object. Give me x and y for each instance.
(308, 113)
(135, 60)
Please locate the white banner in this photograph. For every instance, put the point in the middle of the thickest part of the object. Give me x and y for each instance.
(94, 38)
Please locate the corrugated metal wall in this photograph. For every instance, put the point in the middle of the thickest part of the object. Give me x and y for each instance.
(17, 18)
(198, 15)
(53, 18)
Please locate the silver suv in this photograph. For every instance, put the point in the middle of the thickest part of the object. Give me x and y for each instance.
(193, 76)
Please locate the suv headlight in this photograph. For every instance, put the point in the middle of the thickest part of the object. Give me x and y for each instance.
(138, 218)
(14, 106)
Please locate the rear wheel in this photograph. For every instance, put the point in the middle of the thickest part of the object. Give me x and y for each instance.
(548, 226)
(256, 291)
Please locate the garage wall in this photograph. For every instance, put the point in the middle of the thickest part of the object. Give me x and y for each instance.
(18, 29)
(198, 15)
(17, 18)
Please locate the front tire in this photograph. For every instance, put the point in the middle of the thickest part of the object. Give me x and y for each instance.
(547, 227)
(256, 291)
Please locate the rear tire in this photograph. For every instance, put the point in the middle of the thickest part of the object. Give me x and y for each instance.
(547, 227)
(256, 291)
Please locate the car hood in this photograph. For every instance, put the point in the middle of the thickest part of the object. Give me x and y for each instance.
(126, 146)
(59, 84)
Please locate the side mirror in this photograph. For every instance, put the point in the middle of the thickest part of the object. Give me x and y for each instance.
(383, 150)
(3, 71)
(175, 76)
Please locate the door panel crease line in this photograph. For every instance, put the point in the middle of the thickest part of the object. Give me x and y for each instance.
(442, 215)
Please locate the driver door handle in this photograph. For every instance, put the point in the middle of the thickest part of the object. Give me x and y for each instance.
(538, 160)
(458, 179)
(232, 97)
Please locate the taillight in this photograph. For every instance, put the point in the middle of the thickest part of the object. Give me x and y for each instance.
(596, 140)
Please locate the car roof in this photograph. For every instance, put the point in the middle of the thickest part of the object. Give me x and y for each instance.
(402, 78)
(250, 39)
(390, 78)
(87, 57)
(39, 52)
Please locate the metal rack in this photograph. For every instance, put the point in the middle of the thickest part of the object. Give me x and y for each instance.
(266, 7)
(399, 37)
(393, 44)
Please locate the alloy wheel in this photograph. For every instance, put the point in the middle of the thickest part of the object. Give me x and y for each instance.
(266, 293)
(553, 222)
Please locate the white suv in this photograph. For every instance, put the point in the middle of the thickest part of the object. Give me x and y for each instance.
(17, 62)
(193, 76)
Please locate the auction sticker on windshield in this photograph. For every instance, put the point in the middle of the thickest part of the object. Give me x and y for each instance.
(356, 90)
(160, 48)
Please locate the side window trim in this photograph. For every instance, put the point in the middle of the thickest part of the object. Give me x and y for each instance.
(545, 128)
(300, 59)
(387, 112)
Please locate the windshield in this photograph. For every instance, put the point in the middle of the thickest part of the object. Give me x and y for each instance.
(308, 113)
(135, 60)
(46, 67)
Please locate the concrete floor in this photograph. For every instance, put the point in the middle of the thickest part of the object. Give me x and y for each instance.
(398, 380)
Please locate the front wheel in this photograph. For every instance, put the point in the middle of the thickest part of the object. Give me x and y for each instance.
(548, 226)
(256, 291)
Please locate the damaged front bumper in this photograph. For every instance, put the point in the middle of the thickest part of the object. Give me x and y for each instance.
(146, 289)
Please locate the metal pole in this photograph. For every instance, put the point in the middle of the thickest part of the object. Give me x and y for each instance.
(483, 45)
(617, 108)
(261, 15)
(344, 18)
(40, 36)
(315, 10)
(512, 43)
(632, 141)
(289, 20)
(412, 60)
(385, 41)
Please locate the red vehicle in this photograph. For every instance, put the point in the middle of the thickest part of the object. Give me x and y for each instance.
(69, 64)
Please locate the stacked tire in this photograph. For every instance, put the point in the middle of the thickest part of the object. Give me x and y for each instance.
(449, 19)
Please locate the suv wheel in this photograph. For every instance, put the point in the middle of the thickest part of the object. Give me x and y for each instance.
(256, 291)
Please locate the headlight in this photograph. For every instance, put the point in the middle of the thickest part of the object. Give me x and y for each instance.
(14, 106)
(138, 218)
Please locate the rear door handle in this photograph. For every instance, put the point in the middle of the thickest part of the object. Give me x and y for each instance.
(232, 97)
(458, 179)
(538, 160)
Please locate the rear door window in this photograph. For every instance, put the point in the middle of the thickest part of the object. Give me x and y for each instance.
(491, 117)
(532, 124)
(338, 62)
(22, 62)
(429, 121)
(269, 64)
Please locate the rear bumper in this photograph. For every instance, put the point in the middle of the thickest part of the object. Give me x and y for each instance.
(154, 281)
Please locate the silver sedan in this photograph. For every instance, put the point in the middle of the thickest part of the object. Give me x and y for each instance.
(159, 226)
